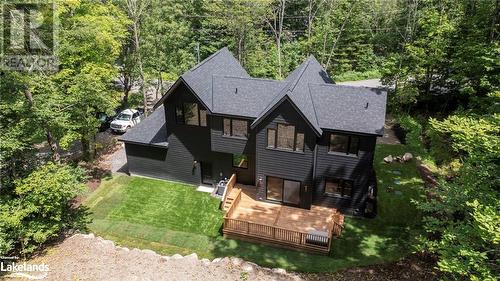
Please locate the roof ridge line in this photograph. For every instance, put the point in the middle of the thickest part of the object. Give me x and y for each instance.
(207, 59)
(251, 78)
(343, 85)
(296, 81)
(312, 102)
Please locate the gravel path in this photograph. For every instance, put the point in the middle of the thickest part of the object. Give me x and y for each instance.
(85, 257)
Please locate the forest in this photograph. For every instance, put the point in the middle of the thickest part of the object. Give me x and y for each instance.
(439, 59)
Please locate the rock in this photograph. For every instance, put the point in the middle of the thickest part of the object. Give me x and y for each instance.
(193, 256)
(89, 236)
(236, 261)
(165, 258)
(125, 249)
(216, 260)
(205, 262)
(407, 157)
(247, 267)
(279, 271)
(147, 251)
(176, 257)
(397, 158)
(388, 159)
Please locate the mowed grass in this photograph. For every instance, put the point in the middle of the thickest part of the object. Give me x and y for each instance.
(174, 218)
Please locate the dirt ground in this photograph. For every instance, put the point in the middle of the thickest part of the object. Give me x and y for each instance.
(85, 257)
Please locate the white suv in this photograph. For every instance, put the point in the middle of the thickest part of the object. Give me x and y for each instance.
(125, 120)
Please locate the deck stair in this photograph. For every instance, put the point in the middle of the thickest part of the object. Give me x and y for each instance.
(230, 199)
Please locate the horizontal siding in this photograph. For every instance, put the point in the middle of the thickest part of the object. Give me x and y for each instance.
(187, 144)
(357, 169)
(285, 164)
(226, 144)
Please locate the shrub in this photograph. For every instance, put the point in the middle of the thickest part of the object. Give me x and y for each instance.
(40, 208)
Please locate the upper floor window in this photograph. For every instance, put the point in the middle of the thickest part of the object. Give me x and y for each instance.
(235, 128)
(285, 138)
(344, 144)
(191, 114)
(338, 187)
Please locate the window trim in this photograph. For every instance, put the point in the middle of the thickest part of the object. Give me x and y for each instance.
(231, 128)
(237, 167)
(340, 182)
(182, 106)
(349, 140)
(275, 147)
(282, 201)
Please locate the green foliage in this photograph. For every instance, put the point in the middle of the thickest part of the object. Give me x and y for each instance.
(413, 130)
(355, 75)
(448, 55)
(467, 135)
(462, 215)
(40, 208)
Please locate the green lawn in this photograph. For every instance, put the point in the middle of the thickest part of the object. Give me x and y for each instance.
(174, 218)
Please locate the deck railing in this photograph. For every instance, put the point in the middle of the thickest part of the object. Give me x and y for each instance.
(274, 234)
(235, 203)
(229, 187)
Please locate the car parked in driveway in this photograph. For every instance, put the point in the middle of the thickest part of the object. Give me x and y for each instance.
(127, 119)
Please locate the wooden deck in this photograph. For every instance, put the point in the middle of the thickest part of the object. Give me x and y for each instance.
(257, 221)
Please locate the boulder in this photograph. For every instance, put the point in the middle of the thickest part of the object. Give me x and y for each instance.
(388, 159)
(407, 157)
(176, 257)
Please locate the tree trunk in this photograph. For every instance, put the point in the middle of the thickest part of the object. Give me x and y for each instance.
(87, 155)
(56, 157)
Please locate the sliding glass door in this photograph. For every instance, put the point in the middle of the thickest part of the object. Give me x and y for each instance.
(284, 191)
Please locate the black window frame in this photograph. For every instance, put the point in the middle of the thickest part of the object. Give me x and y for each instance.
(181, 119)
(276, 133)
(246, 159)
(341, 183)
(282, 201)
(231, 135)
(349, 143)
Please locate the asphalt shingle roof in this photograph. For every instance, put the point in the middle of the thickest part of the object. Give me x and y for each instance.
(226, 88)
(349, 108)
(241, 96)
(151, 131)
(199, 78)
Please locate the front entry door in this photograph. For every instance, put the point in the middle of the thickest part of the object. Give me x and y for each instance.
(206, 173)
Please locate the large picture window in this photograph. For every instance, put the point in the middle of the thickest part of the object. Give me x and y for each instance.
(285, 137)
(190, 114)
(235, 128)
(344, 144)
(338, 187)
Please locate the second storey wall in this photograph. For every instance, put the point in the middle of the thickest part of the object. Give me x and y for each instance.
(355, 168)
(290, 165)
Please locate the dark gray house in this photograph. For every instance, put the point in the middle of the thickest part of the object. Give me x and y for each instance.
(300, 141)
